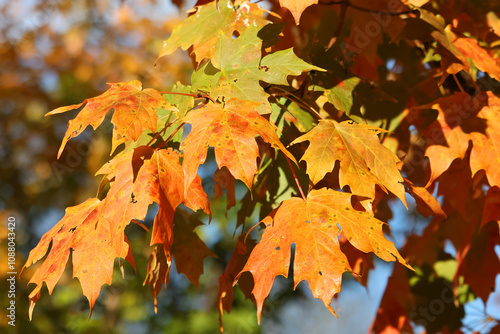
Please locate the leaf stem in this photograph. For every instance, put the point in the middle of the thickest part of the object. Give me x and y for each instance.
(299, 101)
(296, 179)
(199, 95)
(458, 83)
(163, 130)
(170, 137)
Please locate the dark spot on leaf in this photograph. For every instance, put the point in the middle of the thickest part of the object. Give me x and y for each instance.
(278, 248)
(320, 273)
(307, 221)
(77, 130)
(72, 229)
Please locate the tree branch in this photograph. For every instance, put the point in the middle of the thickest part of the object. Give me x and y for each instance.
(347, 3)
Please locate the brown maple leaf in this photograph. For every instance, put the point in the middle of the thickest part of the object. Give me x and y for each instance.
(445, 138)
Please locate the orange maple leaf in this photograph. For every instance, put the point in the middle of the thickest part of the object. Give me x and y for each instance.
(95, 229)
(93, 253)
(484, 62)
(445, 138)
(364, 161)
(314, 226)
(231, 130)
(135, 111)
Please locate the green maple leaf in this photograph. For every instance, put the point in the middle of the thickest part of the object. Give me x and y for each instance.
(238, 66)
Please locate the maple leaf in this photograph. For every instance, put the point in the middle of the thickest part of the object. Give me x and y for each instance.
(203, 29)
(231, 130)
(297, 7)
(93, 253)
(238, 66)
(314, 226)
(480, 57)
(480, 265)
(446, 142)
(459, 49)
(427, 205)
(364, 161)
(135, 111)
(456, 193)
(485, 152)
(188, 249)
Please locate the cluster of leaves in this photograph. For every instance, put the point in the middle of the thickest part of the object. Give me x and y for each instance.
(256, 103)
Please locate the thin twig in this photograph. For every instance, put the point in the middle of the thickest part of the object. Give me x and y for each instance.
(348, 3)
(336, 34)
(296, 179)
